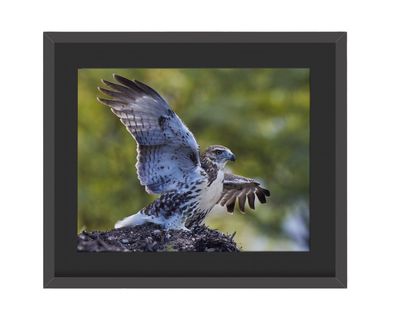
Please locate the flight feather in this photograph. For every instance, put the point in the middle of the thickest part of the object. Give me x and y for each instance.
(167, 151)
(241, 188)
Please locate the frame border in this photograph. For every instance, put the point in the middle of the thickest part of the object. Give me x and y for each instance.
(338, 39)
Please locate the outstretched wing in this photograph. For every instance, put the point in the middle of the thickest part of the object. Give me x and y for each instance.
(167, 150)
(237, 187)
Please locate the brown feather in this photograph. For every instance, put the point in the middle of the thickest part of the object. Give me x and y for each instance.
(242, 188)
(251, 198)
(227, 197)
(260, 195)
(231, 206)
(242, 201)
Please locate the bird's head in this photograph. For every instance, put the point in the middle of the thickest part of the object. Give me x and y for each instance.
(219, 155)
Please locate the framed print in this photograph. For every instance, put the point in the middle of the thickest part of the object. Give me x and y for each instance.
(195, 159)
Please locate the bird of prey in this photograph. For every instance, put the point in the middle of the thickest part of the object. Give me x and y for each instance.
(169, 162)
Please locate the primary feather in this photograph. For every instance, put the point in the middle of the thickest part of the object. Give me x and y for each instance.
(238, 187)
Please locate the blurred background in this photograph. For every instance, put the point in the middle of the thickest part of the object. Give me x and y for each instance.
(262, 115)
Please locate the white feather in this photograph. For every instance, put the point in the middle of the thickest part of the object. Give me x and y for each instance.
(211, 194)
(172, 222)
(135, 220)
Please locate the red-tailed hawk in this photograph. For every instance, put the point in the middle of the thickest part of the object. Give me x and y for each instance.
(169, 162)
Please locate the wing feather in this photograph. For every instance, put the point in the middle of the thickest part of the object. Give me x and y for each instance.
(250, 199)
(226, 196)
(242, 200)
(230, 206)
(261, 196)
(168, 153)
(240, 188)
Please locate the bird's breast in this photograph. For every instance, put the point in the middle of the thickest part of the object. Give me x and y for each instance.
(212, 193)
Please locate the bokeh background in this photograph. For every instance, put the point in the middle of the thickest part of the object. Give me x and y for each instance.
(262, 115)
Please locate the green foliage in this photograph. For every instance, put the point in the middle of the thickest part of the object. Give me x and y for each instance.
(262, 115)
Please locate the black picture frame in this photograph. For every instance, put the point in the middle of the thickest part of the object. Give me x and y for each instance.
(325, 265)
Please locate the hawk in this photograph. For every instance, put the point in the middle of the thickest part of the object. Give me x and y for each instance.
(169, 162)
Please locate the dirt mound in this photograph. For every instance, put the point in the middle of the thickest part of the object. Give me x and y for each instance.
(150, 238)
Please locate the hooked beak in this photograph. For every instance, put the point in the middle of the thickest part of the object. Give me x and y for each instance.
(232, 157)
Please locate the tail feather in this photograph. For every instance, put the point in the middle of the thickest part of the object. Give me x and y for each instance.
(133, 220)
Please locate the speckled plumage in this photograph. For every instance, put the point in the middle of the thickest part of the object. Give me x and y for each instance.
(169, 162)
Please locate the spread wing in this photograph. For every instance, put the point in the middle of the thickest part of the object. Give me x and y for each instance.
(167, 150)
(237, 187)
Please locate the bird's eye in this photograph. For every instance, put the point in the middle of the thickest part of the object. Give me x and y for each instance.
(218, 151)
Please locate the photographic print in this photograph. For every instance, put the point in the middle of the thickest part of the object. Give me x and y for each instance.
(220, 163)
(203, 160)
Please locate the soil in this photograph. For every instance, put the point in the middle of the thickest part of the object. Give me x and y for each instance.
(150, 238)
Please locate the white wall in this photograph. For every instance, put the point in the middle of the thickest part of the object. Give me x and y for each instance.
(374, 157)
